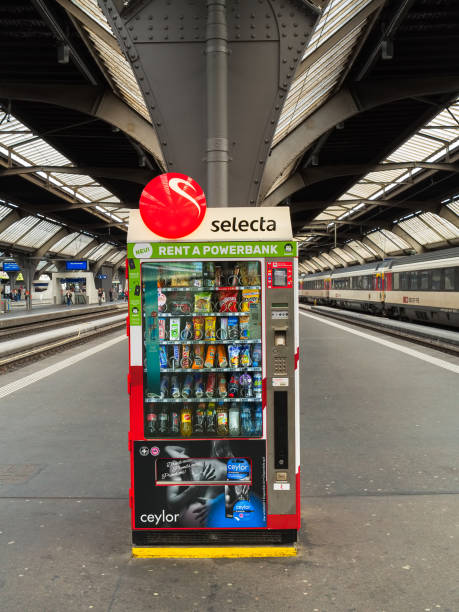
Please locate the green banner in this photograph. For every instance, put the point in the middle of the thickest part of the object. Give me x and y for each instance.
(210, 250)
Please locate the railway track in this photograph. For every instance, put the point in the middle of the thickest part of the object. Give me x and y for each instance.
(23, 343)
(443, 340)
(21, 330)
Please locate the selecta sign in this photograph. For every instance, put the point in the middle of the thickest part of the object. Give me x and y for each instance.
(172, 205)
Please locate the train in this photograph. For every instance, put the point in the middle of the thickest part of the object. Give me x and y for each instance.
(417, 288)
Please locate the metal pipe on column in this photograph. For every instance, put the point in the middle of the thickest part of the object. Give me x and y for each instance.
(217, 148)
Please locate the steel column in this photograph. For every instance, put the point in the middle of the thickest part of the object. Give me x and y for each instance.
(217, 103)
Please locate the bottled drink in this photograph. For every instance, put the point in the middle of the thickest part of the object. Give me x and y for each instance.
(258, 421)
(233, 387)
(257, 385)
(234, 420)
(222, 389)
(174, 421)
(152, 421)
(186, 425)
(245, 380)
(199, 418)
(211, 424)
(246, 420)
(256, 355)
(222, 420)
(198, 385)
(163, 420)
(187, 386)
(164, 387)
(175, 387)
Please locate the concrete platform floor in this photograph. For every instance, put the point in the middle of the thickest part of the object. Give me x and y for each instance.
(380, 490)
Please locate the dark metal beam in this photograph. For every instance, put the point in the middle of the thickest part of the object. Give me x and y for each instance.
(94, 101)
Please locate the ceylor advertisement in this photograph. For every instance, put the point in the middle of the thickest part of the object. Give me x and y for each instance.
(200, 484)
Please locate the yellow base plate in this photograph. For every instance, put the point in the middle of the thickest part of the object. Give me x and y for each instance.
(212, 552)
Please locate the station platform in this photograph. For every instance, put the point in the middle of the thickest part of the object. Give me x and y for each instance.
(380, 487)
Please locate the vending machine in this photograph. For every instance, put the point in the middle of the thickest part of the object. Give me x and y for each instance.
(213, 379)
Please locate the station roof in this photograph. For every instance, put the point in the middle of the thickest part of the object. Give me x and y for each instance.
(364, 154)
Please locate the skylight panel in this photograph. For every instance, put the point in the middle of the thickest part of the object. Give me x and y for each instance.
(443, 227)
(39, 234)
(421, 232)
(60, 244)
(17, 229)
(91, 8)
(75, 246)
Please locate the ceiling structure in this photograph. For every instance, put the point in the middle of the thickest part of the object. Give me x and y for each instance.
(365, 152)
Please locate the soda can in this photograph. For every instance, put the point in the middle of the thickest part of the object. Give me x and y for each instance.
(198, 385)
(257, 385)
(187, 386)
(175, 387)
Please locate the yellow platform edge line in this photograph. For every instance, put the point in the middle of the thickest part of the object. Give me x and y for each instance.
(212, 552)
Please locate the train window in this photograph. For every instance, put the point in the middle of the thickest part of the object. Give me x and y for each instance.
(436, 280)
(449, 279)
(404, 281)
(413, 280)
(425, 280)
(396, 280)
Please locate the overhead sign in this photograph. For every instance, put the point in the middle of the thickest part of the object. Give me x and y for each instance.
(222, 224)
(10, 266)
(172, 205)
(102, 276)
(76, 265)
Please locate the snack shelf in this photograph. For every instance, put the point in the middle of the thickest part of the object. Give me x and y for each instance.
(203, 370)
(191, 288)
(199, 400)
(191, 341)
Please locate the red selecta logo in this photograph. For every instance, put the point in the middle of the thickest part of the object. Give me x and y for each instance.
(172, 205)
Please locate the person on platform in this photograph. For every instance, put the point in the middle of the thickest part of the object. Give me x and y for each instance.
(100, 295)
(68, 297)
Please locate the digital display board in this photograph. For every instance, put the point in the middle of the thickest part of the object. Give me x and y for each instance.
(10, 266)
(76, 265)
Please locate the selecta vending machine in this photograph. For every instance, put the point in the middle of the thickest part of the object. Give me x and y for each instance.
(213, 376)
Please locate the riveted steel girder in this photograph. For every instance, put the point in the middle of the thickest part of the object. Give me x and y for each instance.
(165, 42)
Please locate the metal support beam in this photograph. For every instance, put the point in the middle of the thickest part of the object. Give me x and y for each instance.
(86, 249)
(9, 220)
(347, 249)
(93, 101)
(373, 246)
(449, 215)
(41, 251)
(217, 149)
(90, 24)
(343, 105)
(398, 231)
(98, 265)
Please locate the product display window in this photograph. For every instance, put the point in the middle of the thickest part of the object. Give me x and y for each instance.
(202, 349)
